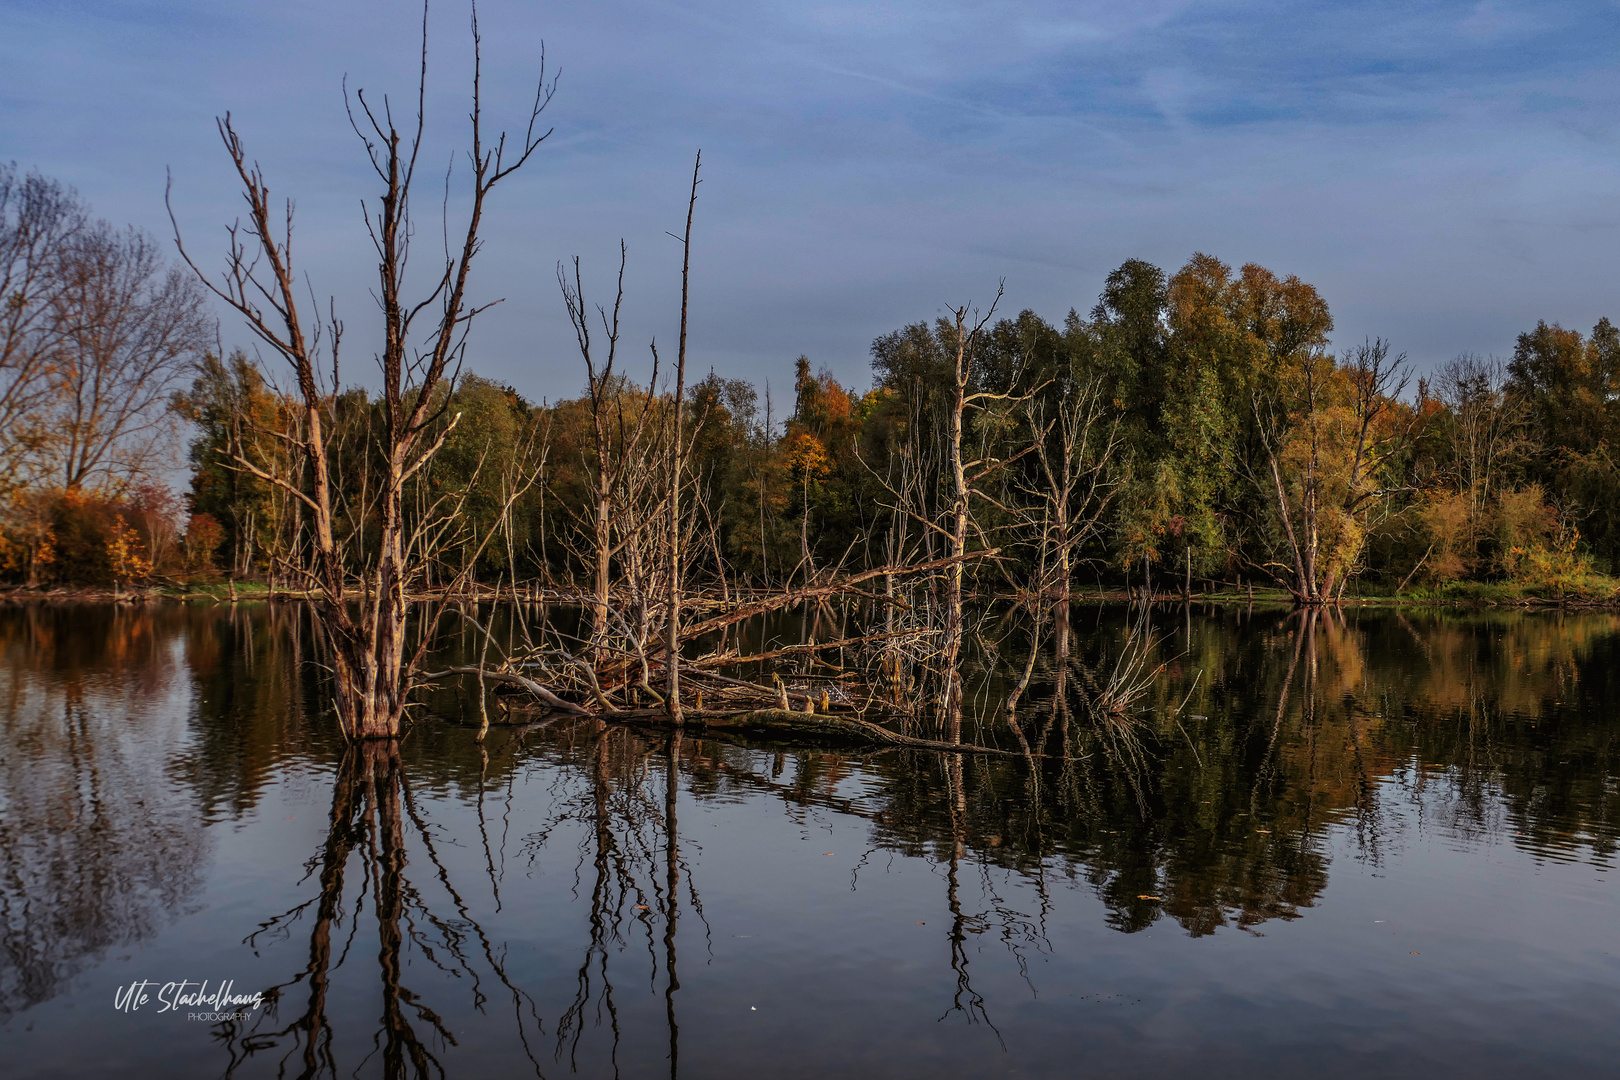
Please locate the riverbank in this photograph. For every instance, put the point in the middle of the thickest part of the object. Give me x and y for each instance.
(1595, 592)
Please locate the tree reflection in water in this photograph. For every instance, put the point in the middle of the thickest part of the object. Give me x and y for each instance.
(1268, 742)
(98, 849)
(630, 833)
(372, 813)
(966, 1000)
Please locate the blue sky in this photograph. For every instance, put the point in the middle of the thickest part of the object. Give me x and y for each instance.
(1446, 173)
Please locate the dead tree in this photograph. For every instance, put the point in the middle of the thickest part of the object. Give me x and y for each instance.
(962, 491)
(1075, 450)
(363, 599)
(677, 458)
(618, 447)
(962, 481)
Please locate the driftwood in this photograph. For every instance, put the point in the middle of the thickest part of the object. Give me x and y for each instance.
(765, 690)
(623, 670)
(732, 659)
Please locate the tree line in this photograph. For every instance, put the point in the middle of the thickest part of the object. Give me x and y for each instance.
(1189, 430)
(1192, 430)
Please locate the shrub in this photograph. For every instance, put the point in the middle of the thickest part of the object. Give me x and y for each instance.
(84, 538)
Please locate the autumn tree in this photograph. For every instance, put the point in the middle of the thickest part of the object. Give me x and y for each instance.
(235, 414)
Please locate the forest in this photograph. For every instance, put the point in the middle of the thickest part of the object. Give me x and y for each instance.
(1187, 432)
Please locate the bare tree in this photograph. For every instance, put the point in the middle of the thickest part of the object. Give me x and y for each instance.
(38, 219)
(95, 331)
(618, 442)
(677, 471)
(963, 487)
(130, 330)
(1487, 427)
(1075, 450)
(372, 675)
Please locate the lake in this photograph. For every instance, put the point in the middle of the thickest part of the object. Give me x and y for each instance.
(1377, 842)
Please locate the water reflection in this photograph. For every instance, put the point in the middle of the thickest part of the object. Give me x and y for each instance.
(431, 935)
(632, 844)
(98, 848)
(253, 686)
(373, 812)
(1269, 728)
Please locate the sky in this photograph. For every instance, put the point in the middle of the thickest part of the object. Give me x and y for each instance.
(1444, 173)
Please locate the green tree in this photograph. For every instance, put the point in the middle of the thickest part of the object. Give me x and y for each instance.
(1571, 386)
(233, 411)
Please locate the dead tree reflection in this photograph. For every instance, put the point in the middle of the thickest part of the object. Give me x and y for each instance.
(631, 842)
(672, 892)
(966, 1000)
(373, 820)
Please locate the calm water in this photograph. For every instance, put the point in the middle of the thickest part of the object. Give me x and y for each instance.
(1379, 844)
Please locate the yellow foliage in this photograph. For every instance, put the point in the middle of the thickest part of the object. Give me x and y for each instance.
(125, 552)
(1448, 519)
(806, 457)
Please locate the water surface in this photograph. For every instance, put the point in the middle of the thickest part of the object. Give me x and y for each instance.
(1372, 844)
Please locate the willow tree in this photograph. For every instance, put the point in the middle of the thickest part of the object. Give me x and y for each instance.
(363, 593)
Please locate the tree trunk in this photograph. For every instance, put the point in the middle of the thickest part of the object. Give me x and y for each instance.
(672, 641)
(602, 536)
(952, 646)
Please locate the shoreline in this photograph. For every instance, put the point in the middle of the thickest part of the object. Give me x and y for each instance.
(253, 592)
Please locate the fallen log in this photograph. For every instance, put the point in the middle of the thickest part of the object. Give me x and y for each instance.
(817, 728)
(746, 685)
(817, 592)
(821, 728)
(732, 659)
